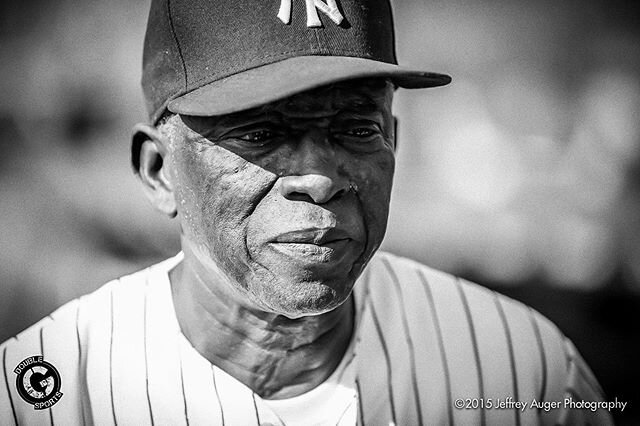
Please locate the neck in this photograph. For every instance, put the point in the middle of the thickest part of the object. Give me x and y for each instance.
(277, 357)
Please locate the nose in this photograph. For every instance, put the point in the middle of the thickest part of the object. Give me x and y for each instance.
(314, 172)
(319, 188)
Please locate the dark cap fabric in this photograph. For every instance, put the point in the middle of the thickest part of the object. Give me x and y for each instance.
(212, 57)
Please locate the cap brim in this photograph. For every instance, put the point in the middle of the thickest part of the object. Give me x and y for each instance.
(279, 80)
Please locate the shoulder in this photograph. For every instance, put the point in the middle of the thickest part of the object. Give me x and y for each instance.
(76, 342)
(67, 315)
(456, 301)
(66, 331)
(489, 344)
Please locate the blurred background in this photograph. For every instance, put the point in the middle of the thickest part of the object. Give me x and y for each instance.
(522, 175)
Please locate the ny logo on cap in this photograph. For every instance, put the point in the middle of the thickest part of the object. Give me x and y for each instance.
(330, 8)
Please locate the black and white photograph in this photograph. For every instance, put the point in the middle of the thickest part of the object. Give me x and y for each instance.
(319, 212)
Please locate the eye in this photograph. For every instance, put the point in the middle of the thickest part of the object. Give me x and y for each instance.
(258, 136)
(360, 132)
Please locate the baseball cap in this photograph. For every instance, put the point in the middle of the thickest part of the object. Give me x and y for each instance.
(213, 57)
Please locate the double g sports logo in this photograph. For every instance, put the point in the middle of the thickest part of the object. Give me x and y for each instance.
(38, 382)
(330, 8)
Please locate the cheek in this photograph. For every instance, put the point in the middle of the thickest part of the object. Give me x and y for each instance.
(217, 191)
(374, 180)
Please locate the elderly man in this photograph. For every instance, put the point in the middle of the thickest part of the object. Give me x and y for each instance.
(272, 141)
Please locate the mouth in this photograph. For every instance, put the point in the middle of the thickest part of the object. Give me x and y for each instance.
(317, 236)
(314, 245)
(313, 236)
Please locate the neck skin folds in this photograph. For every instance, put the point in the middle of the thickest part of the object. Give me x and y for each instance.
(275, 356)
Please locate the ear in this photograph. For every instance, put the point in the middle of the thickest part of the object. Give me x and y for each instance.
(149, 152)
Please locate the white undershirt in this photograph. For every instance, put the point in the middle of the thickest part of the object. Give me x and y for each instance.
(333, 402)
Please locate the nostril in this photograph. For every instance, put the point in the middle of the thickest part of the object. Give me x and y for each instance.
(340, 193)
(299, 196)
(313, 188)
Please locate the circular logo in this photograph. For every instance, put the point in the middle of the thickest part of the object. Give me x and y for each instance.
(38, 382)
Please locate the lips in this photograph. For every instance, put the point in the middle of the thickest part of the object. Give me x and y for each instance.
(317, 236)
(314, 245)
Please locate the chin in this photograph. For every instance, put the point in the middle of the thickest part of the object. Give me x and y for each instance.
(303, 299)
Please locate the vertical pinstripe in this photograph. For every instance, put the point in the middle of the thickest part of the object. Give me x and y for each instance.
(360, 411)
(386, 357)
(345, 412)
(543, 356)
(81, 373)
(498, 337)
(474, 343)
(215, 387)
(42, 353)
(6, 383)
(512, 361)
(184, 395)
(405, 326)
(255, 407)
(113, 407)
(146, 355)
(443, 355)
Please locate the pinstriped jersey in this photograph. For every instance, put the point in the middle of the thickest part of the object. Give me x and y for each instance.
(423, 341)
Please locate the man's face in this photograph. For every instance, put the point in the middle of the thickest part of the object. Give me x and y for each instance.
(289, 200)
